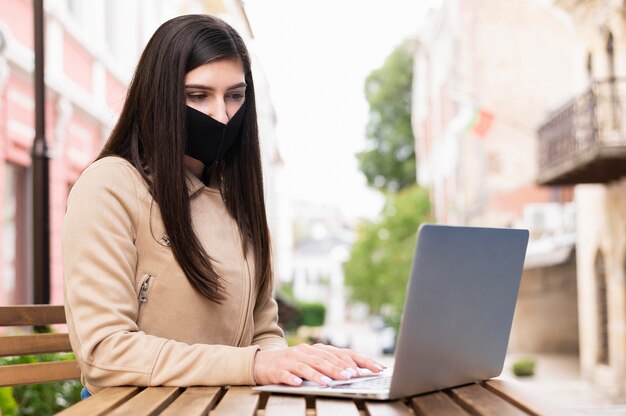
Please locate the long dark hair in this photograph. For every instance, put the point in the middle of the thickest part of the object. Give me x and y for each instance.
(150, 134)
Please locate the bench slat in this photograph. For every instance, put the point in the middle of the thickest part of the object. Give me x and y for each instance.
(331, 407)
(34, 344)
(27, 315)
(13, 375)
(149, 402)
(239, 401)
(484, 402)
(396, 408)
(101, 403)
(437, 404)
(524, 399)
(194, 401)
(285, 406)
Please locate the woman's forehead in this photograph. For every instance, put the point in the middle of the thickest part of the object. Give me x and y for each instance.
(227, 71)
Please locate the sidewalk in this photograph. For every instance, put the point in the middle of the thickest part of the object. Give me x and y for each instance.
(557, 380)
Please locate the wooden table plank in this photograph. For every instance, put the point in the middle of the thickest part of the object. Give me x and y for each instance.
(437, 404)
(194, 401)
(239, 401)
(101, 403)
(396, 408)
(331, 407)
(149, 402)
(494, 397)
(526, 400)
(484, 402)
(278, 405)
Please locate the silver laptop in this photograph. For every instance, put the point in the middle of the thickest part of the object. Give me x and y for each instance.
(457, 315)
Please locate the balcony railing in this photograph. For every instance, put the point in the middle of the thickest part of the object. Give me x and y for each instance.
(585, 140)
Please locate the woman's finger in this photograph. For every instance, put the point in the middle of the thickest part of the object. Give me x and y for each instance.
(307, 372)
(342, 354)
(359, 360)
(347, 369)
(286, 377)
(364, 361)
(327, 364)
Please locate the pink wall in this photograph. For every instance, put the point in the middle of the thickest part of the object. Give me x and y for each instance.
(77, 63)
(17, 15)
(116, 92)
(81, 135)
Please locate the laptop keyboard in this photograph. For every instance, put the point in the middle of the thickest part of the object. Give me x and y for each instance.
(376, 383)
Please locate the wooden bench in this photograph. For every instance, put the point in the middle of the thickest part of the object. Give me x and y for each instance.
(35, 343)
(494, 397)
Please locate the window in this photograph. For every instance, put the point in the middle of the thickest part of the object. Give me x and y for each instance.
(610, 55)
(614, 96)
(111, 26)
(14, 236)
(602, 310)
(73, 7)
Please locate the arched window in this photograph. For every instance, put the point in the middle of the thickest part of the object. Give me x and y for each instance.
(610, 53)
(602, 310)
(590, 67)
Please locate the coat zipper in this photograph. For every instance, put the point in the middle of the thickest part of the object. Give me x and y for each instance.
(143, 290)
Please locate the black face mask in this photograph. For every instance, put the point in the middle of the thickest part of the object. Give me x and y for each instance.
(208, 140)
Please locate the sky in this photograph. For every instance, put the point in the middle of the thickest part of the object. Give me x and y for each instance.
(316, 55)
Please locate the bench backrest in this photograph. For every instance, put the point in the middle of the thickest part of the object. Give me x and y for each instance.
(14, 345)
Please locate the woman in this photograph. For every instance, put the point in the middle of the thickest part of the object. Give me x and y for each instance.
(166, 247)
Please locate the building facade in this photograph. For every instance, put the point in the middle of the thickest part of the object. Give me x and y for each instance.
(583, 143)
(92, 48)
(482, 85)
(322, 241)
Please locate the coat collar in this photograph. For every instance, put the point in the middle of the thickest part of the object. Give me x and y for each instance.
(194, 184)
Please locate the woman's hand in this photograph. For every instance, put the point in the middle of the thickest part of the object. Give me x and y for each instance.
(319, 363)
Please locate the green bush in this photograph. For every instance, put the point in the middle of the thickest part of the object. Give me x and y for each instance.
(8, 405)
(38, 399)
(312, 314)
(524, 367)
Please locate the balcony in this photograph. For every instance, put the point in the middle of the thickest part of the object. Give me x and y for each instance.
(585, 140)
(583, 8)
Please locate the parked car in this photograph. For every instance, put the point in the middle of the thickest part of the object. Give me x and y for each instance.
(388, 340)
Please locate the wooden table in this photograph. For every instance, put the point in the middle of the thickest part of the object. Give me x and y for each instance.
(493, 397)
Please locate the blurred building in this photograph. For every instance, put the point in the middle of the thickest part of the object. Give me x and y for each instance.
(583, 143)
(322, 241)
(92, 48)
(485, 73)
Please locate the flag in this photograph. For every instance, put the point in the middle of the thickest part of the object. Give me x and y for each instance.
(482, 123)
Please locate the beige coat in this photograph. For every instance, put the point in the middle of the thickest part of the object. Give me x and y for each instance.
(133, 317)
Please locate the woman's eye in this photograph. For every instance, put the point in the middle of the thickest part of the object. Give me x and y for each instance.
(237, 96)
(195, 97)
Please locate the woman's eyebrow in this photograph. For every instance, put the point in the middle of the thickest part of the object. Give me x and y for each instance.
(205, 87)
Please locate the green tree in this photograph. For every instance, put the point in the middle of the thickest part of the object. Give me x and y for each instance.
(377, 270)
(389, 163)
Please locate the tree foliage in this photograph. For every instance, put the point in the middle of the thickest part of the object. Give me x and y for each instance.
(381, 258)
(389, 164)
